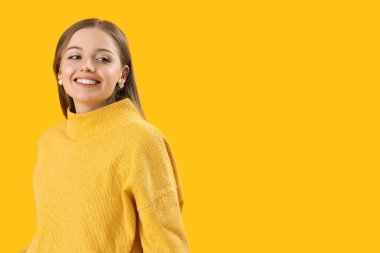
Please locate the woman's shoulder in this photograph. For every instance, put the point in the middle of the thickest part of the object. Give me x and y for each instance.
(57, 126)
(144, 133)
(51, 130)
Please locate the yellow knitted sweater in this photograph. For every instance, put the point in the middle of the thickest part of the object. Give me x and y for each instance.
(106, 181)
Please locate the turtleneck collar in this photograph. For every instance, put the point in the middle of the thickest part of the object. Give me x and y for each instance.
(100, 120)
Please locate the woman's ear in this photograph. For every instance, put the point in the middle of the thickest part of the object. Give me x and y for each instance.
(125, 73)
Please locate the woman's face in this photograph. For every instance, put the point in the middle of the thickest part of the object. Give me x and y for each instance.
(91, 55)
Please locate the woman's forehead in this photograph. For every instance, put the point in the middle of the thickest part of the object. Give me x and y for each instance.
(91, 39)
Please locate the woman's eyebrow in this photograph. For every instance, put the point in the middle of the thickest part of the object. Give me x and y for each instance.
(97, 50)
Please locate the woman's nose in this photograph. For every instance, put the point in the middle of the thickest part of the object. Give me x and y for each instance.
(88, 66)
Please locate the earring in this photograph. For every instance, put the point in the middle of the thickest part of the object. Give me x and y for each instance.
(121, 84)
(60, 82)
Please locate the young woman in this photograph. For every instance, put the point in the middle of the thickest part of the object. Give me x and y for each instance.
(106, 180)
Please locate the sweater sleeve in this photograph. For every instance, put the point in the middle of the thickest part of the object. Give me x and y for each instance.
(157, 190)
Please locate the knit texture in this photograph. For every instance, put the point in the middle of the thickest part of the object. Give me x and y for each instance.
(106, 181)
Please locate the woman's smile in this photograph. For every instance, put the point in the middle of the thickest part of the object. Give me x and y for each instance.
(86, 82)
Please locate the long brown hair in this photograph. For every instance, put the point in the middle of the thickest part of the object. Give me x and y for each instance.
(128, 91)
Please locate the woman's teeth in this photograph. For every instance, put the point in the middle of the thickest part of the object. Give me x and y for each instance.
(86, 81)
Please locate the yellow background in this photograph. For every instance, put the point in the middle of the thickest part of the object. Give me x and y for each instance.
(271, 107)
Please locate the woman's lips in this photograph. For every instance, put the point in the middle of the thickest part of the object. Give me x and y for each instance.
(85, 84)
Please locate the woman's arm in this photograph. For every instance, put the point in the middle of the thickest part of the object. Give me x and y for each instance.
(155, 184)
(161, 227)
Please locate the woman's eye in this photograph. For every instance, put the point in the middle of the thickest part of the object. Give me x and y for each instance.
(71, 57)
(104, 59)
